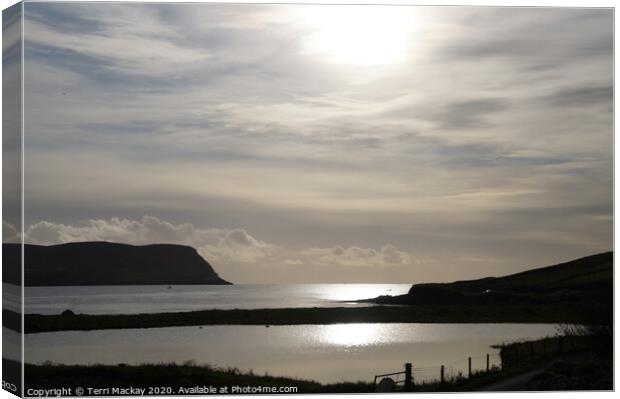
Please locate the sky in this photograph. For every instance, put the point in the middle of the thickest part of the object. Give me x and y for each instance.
(321, 144)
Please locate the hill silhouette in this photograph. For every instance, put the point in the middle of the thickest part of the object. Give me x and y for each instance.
(105, 263)
(585, 280)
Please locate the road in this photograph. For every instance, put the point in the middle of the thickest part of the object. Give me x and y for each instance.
(515, 383)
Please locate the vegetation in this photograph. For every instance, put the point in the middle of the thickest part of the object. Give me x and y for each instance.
(190, 375)
(581, 358)
(171, 375)
(524, 355)
(461, 383)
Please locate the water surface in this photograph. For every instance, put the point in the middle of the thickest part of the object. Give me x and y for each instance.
(179, 298)
(326, 353)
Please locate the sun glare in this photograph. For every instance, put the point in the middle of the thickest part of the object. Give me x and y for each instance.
(351, 334)
(361, 35)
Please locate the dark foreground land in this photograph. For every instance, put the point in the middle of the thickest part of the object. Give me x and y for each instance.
(582, 362)
(580, 359)
(169, 379)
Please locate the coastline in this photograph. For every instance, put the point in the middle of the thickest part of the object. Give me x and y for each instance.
(552, 313)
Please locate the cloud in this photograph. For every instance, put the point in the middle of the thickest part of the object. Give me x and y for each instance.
(471, 114)
(532, 38)
(388, 255)
(442, 254)
(238, 245)
(581, 96)
(9, 233)
(217, 245)
(128, 39)
(237, 255)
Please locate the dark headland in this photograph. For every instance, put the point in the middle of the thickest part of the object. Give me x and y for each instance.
(105, 263)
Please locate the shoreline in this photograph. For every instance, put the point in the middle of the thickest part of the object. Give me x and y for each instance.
(552, 313)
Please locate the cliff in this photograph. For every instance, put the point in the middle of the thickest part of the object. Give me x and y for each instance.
(104, 263)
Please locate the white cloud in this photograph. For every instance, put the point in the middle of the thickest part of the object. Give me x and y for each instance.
(9, 233)
(216, 245)
(238, 245)
(134, 41)
(388, 255)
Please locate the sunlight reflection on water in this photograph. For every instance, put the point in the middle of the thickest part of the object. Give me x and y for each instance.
(351, 334)
(350, 292)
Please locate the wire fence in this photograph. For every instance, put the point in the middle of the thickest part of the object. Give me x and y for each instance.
(508, 357)
(458, 369)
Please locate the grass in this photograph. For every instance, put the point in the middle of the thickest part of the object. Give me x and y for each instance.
(570, 342)
(527, 353)
(552, 313)
(580, 359)
(189, 375)
(171, 375)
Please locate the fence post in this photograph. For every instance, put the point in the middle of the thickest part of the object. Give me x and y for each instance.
(487, 362)
(408, 377)
(442, 375)
(469, 367)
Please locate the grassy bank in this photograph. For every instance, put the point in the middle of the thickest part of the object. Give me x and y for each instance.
(174, 376)
(183, 378)
(582, 361)
(166, 377)
(173, 379)
(35, 323)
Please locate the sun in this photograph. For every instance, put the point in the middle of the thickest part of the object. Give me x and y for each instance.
(359, 35)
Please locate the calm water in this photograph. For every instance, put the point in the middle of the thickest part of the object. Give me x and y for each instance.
(177, 298)
(327, 353)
